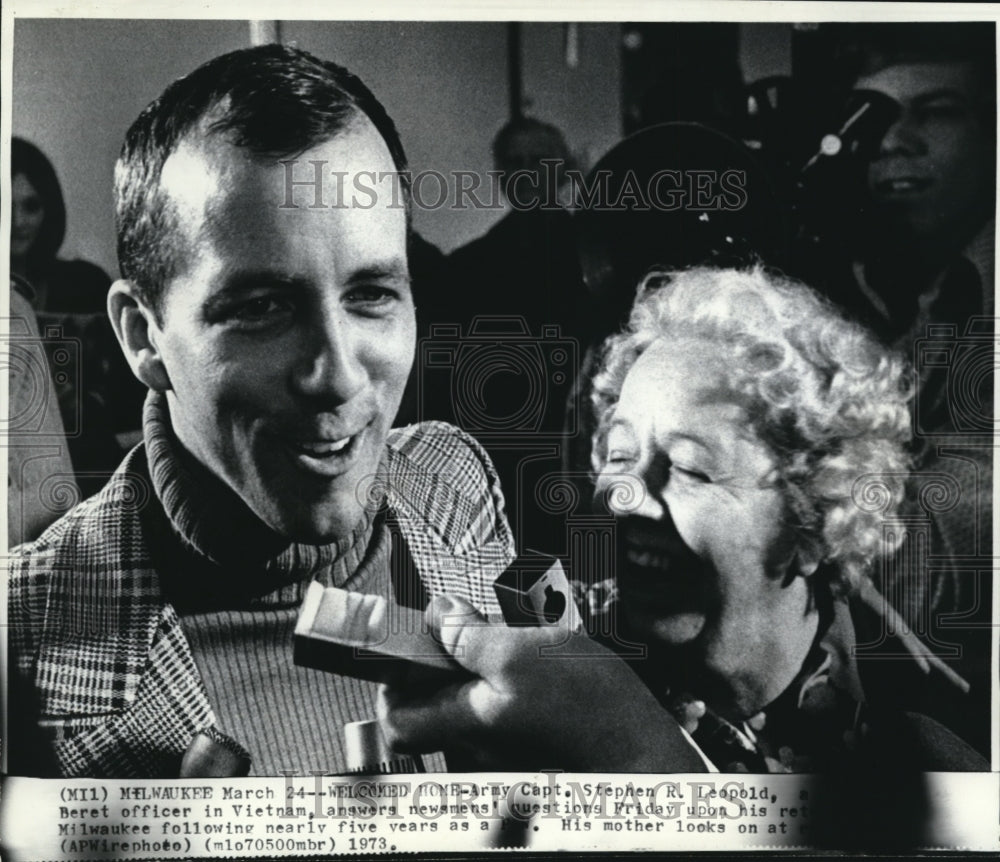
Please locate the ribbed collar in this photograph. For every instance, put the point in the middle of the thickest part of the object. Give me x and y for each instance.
(215, 524)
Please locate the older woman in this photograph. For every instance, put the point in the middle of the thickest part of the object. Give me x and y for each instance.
(750, 444)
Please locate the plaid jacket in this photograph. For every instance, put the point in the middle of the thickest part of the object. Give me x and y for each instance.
(102, 680)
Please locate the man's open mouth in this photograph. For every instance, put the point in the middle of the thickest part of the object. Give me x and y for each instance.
(327, 456)
(325, 448)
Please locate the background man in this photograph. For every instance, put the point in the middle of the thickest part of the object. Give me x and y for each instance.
(922, 277)
(151, 626)
(926, 254)
(526, 264)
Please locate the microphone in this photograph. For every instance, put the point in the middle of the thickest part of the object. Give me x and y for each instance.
(369, 636)
(534, 591)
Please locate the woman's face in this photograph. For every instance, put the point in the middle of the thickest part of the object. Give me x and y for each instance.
(28, 213)
(701, 522)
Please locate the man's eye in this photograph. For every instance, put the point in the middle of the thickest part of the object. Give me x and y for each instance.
(373, 293)
(259, 308)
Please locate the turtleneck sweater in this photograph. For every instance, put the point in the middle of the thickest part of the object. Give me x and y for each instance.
(237, 587)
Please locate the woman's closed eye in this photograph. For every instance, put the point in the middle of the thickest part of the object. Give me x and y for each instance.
(622, 445)
(621, 458)
(690, 473)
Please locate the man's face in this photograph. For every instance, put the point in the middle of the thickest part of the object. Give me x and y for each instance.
(932, 174)
(288, 333)
(526, 175)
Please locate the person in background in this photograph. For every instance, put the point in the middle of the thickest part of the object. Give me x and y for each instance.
(526, 264)
(38, 227)
(926, 252)
(922, 277)
(98, 397)
(518, 294)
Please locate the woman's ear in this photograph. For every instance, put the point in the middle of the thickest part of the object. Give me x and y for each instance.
(137, 331)
(801, 560)
(807, 559)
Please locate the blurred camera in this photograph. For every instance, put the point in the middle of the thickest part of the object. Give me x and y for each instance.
(499, 380)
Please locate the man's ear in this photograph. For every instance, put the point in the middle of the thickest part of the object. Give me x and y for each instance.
(135, 326)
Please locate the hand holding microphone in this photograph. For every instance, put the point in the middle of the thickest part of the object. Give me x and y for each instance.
(536, 697)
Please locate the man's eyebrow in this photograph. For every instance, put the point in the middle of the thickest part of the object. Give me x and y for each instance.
(243, 280)
(246, 279)
(390, 271)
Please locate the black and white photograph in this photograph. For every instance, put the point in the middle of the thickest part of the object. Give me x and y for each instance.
(466, 430)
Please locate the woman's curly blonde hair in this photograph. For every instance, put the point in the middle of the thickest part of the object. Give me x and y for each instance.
(830, 402)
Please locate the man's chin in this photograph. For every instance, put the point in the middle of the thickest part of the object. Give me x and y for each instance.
(905, 222)
(317, 526)
(320, 511)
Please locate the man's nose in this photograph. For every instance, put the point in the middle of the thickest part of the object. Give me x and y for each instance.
(330, 366)
(903, 137)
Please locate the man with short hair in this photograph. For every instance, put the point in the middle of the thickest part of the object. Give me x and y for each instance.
(926, 255)
(151, 626)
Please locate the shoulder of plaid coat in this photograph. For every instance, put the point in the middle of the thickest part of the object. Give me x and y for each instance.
(103, 681)
(101, 676)
(443, 455)
(445, 494)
